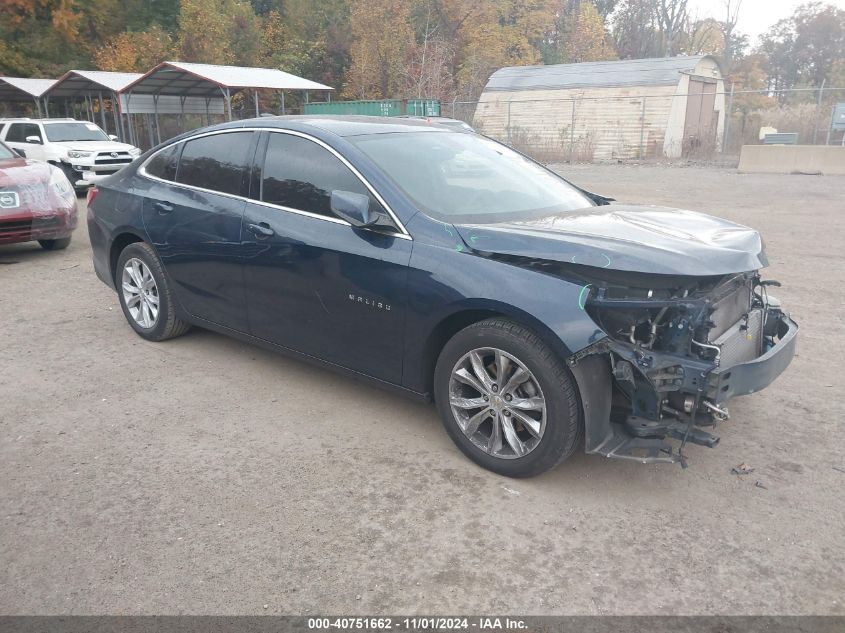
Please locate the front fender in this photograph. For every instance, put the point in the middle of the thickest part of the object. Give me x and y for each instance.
(446, 279)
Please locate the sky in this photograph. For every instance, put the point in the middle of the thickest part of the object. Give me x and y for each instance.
(755, 16)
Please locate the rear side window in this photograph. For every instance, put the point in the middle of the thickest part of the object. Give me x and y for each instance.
(19, 131)
(218, 162)
(163, 164)
(299, 174)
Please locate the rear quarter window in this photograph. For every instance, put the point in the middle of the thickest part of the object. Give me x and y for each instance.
(164, 163)
(218, 162)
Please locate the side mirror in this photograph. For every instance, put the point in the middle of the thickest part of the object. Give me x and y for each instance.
(113, 137)
(19, 152)
(34, 139)
(353, 207)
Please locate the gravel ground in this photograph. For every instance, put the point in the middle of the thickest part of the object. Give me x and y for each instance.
(204, 475)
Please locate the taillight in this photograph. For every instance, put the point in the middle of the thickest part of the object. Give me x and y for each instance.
(92, 194)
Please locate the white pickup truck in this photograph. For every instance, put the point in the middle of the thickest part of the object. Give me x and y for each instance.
(79, 148)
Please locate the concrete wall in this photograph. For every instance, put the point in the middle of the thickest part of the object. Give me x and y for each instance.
(793, 159)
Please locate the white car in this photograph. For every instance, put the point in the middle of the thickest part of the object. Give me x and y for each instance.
(79, 148)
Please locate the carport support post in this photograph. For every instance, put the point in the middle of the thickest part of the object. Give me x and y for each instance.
(228, 98)
(155, 111)
(572, 133)
(103, 112)
(38, 108)
(283, 102)
(118, 126)
(255, 97)
(642, 129)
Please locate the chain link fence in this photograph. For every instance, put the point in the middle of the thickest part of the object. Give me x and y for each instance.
(631, 126)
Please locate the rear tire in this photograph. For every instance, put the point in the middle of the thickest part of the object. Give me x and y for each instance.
(55, 245)
(537, 411)
(145, 295)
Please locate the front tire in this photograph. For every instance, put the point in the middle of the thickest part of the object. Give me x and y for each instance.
(145, 295)
(506, 399)
(55, 245)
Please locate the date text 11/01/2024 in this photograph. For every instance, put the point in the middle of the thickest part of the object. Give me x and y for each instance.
(418, 623)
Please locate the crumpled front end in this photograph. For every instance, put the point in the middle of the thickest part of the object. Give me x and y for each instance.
(678, 349)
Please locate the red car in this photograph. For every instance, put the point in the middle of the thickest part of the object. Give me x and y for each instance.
(37, 202)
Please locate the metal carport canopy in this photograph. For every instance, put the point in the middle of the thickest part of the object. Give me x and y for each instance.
(185, 79)
(90, 83)
(207, 80)
(20, 89)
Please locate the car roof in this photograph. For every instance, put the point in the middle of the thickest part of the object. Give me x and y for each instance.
(340, 125)
(29, 120)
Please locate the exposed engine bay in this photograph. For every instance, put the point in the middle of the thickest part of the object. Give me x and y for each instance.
(677, 348)
(672, 343)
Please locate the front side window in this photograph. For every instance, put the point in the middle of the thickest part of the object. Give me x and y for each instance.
(300, 174)
(75, 131)
(19, 131)
(217, 162)
(163, 164)
(457, 177)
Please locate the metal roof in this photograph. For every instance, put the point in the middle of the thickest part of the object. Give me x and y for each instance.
(658, 71)
(201, 80)
(20, 89)
(90, 82)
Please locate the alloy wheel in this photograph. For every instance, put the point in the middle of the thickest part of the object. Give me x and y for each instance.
(497, 403)
(140, 292)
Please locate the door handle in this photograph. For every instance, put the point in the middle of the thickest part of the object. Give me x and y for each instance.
(163, 208)
(262, 229)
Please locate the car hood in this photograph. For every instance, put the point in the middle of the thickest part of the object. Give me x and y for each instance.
(645, 239)
(96, 146)
(17, 172)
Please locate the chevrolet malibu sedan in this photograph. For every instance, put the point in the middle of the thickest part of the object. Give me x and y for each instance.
(442, 264)
(37, 202)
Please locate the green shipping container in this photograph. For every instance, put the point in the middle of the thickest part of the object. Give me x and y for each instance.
(385, 107)
(423, 107)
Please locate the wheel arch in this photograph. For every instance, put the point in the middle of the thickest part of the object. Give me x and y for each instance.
(471, 313)
(120, 242)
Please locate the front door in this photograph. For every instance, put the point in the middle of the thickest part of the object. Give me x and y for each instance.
(314, 283)
(192, 213)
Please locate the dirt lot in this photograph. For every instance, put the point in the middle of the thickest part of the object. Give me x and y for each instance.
(207, 476)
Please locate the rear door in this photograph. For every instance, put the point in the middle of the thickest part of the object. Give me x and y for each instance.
(314, 283)
(192, 213)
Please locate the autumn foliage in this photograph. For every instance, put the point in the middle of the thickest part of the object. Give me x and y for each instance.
(446, 49)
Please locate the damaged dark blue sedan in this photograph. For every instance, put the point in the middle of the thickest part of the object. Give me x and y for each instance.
(539, 317)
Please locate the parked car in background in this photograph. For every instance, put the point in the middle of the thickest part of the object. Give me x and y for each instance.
(37, 202)
(446, 265)
(82, 150)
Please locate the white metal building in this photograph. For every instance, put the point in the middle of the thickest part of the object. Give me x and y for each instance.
(607, 110)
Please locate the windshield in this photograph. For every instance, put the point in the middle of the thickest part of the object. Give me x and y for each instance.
(58, 132)
(6, 153)
(459, 177)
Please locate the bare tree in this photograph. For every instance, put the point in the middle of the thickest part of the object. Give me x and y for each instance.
(733, 42)
(672, 17)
